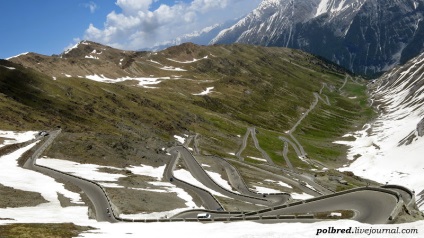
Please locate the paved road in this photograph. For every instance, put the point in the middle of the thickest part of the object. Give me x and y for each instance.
(208, 201)
(243, 145)
(199, 173)
(344, 83)
(252, 132)
(370, 206)
(239, 184)
(286, 158)
(258, 147)
(93, 192)
(373, 207)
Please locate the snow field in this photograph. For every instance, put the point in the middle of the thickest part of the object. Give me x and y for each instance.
(11, 137)
(11, 175)
(383, 158)
(87, 171)
(244, 229)
(186, 176)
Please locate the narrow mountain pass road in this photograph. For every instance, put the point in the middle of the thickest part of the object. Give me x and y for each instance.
(372, 207)
(208, 201)
(97, 196)
(201, 175)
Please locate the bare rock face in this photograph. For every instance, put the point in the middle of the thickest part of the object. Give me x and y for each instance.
(420, 128)
(365, 36)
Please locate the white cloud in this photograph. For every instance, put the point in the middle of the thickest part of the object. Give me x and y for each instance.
(138, 26)
(91, 5)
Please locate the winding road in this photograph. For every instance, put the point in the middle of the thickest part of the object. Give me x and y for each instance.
(93, 191)
(370, 205)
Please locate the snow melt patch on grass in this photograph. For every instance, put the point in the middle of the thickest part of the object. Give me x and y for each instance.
(220, 181)
(282, 184)
(301, 196)
(188, 61)
(10, 68)
(142, 81)
(206, 92)
(186, 176)
(265, 190)
(256, 158)
(91, 57)
(87, 171)
(149, 171)
(12, 137)
(180, 139)
(171, 68)
(11, 175)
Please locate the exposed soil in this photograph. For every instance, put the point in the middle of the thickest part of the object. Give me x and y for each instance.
(11, 198)
(130, 201)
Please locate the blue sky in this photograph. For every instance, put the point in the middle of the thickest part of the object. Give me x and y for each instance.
(50, 26)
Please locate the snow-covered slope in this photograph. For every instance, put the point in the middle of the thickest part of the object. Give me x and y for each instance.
(391, 149)
(365, 36)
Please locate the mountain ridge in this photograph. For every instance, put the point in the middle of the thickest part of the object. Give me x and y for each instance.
(366, 37)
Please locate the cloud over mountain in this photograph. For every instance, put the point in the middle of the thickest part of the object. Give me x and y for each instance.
(141, 25)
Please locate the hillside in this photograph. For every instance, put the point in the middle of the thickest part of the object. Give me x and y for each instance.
(390, 148)
(122, 109)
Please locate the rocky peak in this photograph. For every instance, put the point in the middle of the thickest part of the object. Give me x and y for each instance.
(367, 37)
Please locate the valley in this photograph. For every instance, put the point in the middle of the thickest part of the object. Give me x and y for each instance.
(244, 133)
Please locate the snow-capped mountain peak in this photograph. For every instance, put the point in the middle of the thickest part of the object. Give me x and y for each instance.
(365, 36)
(337, 6)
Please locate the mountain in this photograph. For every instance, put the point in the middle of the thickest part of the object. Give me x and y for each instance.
(120, 111)
(201, 37)
(365, 36)
(92, 89)
(390, 148)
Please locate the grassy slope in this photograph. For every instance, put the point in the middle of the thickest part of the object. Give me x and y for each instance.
(267, 88)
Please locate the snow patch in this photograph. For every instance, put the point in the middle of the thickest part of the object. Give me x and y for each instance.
(12, 137)
(206, 92)
(87, 171)
(186, 176)
(17, 55)
(188, 61)
(220, 181)
(91, 57)
(256, 158)
(142, 81)
(301, 196)
(10, 68)
(179, 139)
(171, 68)
(265, 190)
(149, 171)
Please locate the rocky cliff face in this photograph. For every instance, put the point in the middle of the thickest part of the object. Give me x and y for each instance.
(365, 36)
